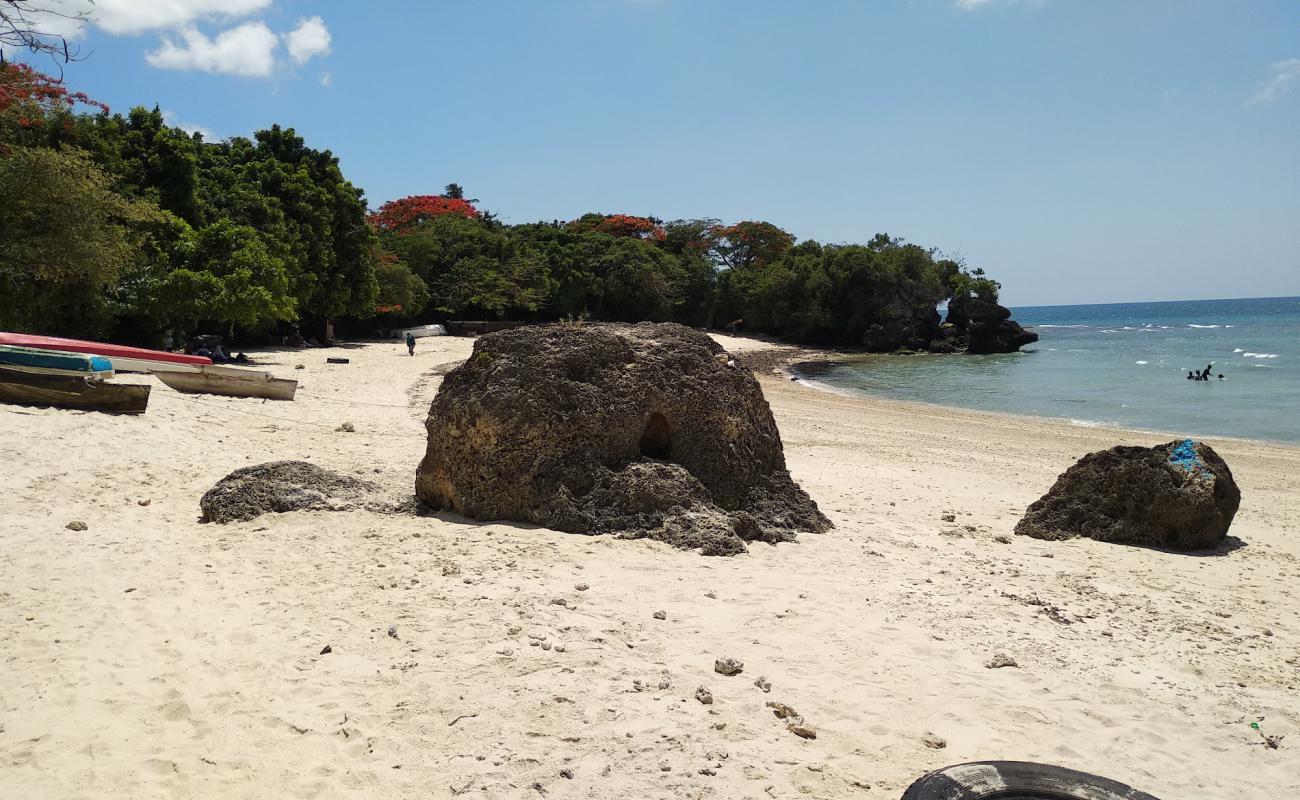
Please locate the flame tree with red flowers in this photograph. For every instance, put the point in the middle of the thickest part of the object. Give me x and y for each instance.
(405, 215)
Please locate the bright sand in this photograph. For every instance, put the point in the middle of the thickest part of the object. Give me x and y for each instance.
(154, 656)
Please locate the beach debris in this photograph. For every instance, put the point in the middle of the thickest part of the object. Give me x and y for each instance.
(76, 525)
(1271, 741)
(712, 595)
(949, 517)
(660, 615)
(566, 774)
(782, 711)
(300, 366)
(1002, 538)
(559, 601)
(728, 666)
(1179, 495)
(392, 631)
(1000, 660)
(326, 650)
(704, 696)
(581, 587)
(764, 684)
(934, 742)
(143, 502)
(280, 486)
(346, 427)
(634, 430)
(802, 729)
(707, 771)
(336, 360)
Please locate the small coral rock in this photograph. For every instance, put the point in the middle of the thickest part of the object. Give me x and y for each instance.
(1179, 495)
(281, 486)
(728, 666)
(802, 729)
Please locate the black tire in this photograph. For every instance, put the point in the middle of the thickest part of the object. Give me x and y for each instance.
(1017, 780)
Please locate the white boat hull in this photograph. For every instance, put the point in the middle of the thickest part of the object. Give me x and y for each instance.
(424, 330)
(228, 381)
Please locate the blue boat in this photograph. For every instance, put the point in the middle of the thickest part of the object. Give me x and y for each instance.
(54, 362)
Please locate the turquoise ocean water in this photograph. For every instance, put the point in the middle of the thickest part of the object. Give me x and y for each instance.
(1123, 365)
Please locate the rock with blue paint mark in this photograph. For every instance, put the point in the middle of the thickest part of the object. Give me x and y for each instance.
(1179, 495)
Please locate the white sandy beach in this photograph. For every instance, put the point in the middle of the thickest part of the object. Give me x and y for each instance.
(154, 656)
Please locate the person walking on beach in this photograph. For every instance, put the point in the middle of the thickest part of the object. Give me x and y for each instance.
(410, 343)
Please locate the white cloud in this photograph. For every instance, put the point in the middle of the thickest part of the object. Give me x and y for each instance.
(139, 16)
(326, 79)
(120, 17)
(971, 5)
(247, 50)
(1285, 73)
(311, 38)
(170, 118)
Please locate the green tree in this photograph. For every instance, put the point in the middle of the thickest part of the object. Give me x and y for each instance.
(65, 238)
(400, 287)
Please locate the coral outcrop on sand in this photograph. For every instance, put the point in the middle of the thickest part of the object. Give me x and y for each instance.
(280, 486)
(648, 430)
(1179, 495)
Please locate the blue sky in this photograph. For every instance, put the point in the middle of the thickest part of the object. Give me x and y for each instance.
(1079, 150)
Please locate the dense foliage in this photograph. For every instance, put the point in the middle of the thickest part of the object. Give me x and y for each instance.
(174, 233)
(120, 225)
(699, 272)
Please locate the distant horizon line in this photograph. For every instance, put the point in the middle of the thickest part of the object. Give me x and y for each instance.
(1156, 302)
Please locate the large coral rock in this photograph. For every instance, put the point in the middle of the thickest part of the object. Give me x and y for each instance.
(640, 430)
(986, 327)
(280, 486)
(1179, 495)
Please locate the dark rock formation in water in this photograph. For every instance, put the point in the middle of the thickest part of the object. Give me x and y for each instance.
(902, 326)
(977, 326)
(972, 326)
(1179, 495)
(281, 486)
(638, 430)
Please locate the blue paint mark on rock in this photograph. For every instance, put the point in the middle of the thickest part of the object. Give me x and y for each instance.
(1184, 455)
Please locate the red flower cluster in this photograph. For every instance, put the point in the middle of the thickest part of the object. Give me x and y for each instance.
(36, 94)
(623, 225)
(402, 216)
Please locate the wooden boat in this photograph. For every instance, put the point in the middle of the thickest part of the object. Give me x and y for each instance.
(71, 391)
(54, 362)
(123, 357)
(229, 381)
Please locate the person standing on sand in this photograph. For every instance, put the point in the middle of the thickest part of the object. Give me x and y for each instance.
(410, 343)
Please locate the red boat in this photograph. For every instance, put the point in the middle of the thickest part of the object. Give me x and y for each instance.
(124, 358)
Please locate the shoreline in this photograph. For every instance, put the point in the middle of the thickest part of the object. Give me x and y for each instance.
(792, 361)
